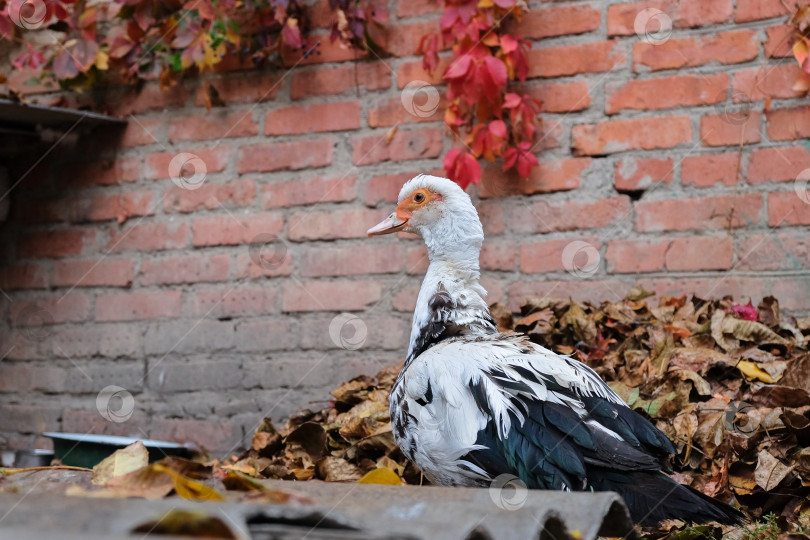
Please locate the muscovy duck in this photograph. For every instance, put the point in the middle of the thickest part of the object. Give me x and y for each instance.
(471, 403)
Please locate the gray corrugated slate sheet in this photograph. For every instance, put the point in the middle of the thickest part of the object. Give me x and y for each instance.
(338, 511)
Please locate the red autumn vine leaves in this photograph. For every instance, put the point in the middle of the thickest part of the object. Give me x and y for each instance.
(146, 39)
(490, 119)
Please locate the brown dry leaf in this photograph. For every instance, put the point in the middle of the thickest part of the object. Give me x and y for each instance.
(147, 482)
(583, 326)
(502, 316)
(182, 522)
(333, 469)
(311, 437)
(770, 471)
(121, 462)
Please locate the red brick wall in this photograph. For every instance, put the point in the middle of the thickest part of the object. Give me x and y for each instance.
(660, 166)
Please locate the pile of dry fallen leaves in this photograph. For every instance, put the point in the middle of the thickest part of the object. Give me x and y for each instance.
(727, 382)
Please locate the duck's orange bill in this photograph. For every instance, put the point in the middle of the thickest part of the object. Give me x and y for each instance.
(389, 225)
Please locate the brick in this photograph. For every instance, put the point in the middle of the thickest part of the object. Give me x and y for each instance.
(700, 253)
(188, 336)
(682, 14)
(547, 177)
(547, 255)
(633, 174)
(210, 196)
(573, 59)
(414, 71)
(754, 10)
(578, 289)
(23, 276)
(214, 436)
(58, 243)
(421, 108)
(186, 269)
(406, 39)
(491, 214)
(636, 255)
(309, 190)
(353, 260)
(416, 260)
(271, 259)
(406, 145)
(214, 160)
(792, 293)
(788, 124)
(498, 256)
(228, 301)
(261, 336)
(721, 130)
(330, 225)
(719, 212)
(562, 97)
(134, 100)
(29, 418)
(385, 188)
(779, 81)
(789, 207)
(119, 206)
(313, 118)
(555, 21)
(709, 170)
(777, 164)
(337, 80)
(665, 92)
(58, 309)
(779, 41)
(197, 375)
(417, 7)
(549, 216)
(108, 340)
(226, 230)
(405, 300)
(90, 421)
(638, 134)
(784, 251)
(330, 295)
(137, 306)
(215, 124)
(141, 131)
(323, 50)
(724, 48)
(296, 155)
(94, 273)
(714, 287)
(154, 236)
(395, 336)
(242, 88)
(102, 173)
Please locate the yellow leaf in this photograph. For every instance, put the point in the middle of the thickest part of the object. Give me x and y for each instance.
(188, 488)
(800, 51)
(102, 61)
(383, 475)
(121, 462)
(485, 3)
(753, 371)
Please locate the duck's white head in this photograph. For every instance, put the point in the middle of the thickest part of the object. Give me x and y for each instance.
(439, 211)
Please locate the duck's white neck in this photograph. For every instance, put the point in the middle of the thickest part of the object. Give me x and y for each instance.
(451, 301)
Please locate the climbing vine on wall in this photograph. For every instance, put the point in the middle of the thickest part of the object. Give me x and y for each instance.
(488, 116)
(145, 39)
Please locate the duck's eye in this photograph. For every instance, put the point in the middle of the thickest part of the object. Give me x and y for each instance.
(419, 197)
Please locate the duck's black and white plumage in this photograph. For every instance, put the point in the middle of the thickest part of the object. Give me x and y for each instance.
(472, 404)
